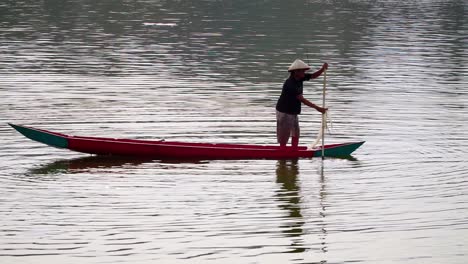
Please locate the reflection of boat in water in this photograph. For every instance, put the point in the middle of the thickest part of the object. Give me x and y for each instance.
(86, 163)
(102, 162)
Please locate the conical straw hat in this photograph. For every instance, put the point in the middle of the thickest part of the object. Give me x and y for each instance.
(298, 65)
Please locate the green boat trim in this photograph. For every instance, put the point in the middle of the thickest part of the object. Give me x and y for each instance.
(338, 152)
(54, 140)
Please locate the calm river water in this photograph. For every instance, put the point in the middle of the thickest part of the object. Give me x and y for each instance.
(211, 71)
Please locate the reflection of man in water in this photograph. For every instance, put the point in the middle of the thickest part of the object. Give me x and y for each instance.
(289, 196)
(286, 174)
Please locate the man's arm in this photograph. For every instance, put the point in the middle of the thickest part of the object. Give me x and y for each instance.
(319, 72)
(310, 104)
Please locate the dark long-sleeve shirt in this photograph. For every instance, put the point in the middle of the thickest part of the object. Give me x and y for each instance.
(288, 102)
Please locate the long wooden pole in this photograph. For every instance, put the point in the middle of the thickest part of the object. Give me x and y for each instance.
(324, 120)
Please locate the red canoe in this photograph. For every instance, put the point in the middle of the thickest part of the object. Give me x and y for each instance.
(179, 150)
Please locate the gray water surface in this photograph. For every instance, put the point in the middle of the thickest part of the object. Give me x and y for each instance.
(211, 71)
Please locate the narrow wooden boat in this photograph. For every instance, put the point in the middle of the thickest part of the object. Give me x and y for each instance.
(179, 150)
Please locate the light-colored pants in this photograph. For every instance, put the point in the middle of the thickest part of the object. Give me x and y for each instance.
(286, 125)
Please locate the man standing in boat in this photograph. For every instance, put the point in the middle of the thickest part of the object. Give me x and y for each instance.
(289, 103)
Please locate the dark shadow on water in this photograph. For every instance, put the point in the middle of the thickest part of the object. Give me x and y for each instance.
(87, 163)
(349, 158)
(287, 170)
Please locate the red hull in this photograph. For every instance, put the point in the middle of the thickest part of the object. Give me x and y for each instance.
(179, 150)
